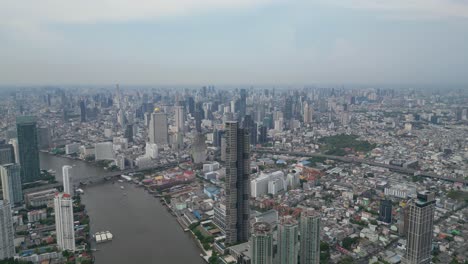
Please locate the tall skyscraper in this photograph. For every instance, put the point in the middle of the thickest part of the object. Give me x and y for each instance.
(158, 133)
(242, 103)
(129, 132)
(288, 243)
(11, 183)
(237, 183)
(385, 211)
(7, 154)
(43, 137)
(262, 244)
(66, 173)
(28, 148)
(83, 111)
(179, 118)
(310, 236)
(420, 229)
(7, 245)
(63, 206)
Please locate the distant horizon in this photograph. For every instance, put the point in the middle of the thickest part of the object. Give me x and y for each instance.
(233, 42)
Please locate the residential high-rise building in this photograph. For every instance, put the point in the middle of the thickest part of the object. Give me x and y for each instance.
(7, 245)
(262, 244)
(128, 134)
(199, 148)
(63, 206)
(158, 133)
(310, 236)
(14, 143)
(179, 118)
(237, 183)
(11, 183)
(385, 211)
(83, 111)
(7, 154)
(28, 148)
(288, 241)
(66, 171)
(420, 229)
(104, 151)
(308, 113)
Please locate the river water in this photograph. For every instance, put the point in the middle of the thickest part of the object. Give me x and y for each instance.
(144, 232)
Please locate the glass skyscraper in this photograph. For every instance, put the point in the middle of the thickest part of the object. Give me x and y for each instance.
(26, 127)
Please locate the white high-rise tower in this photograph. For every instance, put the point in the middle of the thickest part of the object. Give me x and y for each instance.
(66, 171)
(63, 206)
(157, 132)
(7, 245)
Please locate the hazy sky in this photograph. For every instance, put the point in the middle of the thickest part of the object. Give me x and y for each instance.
(233, 41)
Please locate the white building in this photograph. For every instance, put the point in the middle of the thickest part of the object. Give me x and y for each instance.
(66, 173)
(293, 180)
(259, 186)
(276, 186)
(63, 206)
(151, 150)
(104, 151)
(7, 245)
(72, 148)
(209, 167)
(144, 162)
(400, 191)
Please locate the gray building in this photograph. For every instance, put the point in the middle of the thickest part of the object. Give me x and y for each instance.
(11, 183)
(7, 154)
(288, 243)
(262, 244)
(7, 246)
(420, 229)
(158, 129)
(310, 236)
(237, 184)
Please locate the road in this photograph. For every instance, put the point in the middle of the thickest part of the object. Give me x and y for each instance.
(361, 161)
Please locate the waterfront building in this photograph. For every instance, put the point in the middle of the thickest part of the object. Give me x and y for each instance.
(66, 171)
(104, 151)
(262, 244)
(158, 128)
(28, 148)
(7, 245)
(219, 218)
(63, 206)
(420, 229)
(11, 183)
(310, 236)
(237, 184)
(288, 243)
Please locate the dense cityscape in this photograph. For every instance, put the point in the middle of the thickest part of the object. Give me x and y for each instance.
(251, 175)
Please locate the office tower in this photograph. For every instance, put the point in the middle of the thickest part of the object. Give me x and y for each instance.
(43, 134)
(179, 118)
(308, 113)
(190, 105)
(11, 183)
(288, 243)
(199, 148)
(7, 154)
(66, 173)
(420, 228)
(198, 116)
(310, 236)
(262, 244)
(158, 133)
(237, 183)
(83, 111)
(28, 148)
(242, 103)
(7, 245)
(63, 206)
(385, 211)
(263, 134)
(129, 132)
